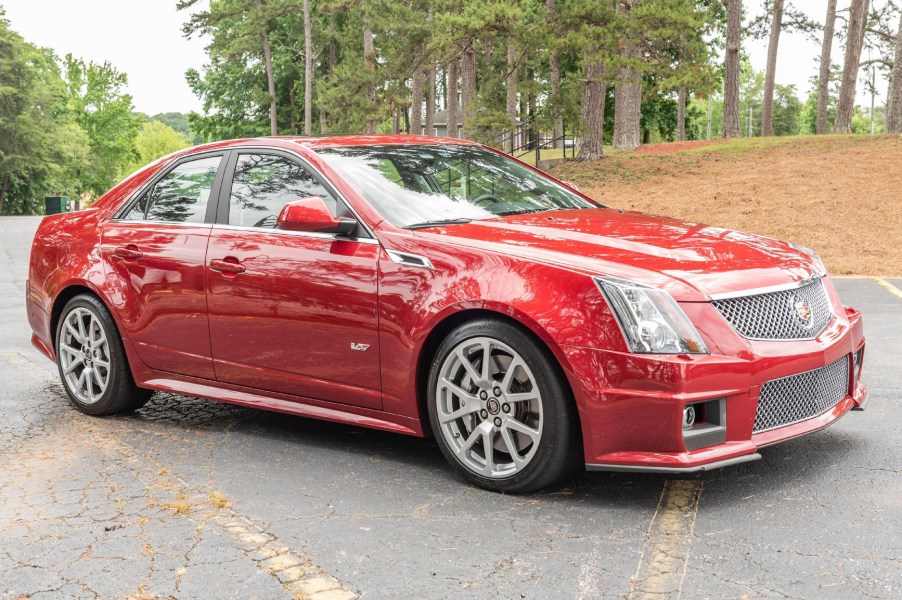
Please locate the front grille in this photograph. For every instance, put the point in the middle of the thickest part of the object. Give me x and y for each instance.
(779, 315)
(799, 397)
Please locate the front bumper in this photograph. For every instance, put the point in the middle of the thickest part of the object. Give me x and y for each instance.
(631, 406)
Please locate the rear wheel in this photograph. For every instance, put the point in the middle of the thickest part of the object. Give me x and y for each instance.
(92, 362)
(501, 411)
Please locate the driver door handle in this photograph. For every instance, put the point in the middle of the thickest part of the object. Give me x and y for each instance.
(129, 252)
(227, 266)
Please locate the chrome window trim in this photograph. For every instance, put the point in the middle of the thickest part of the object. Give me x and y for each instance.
(202, 225)
(768, 289)
(410, 260)
(305, 234)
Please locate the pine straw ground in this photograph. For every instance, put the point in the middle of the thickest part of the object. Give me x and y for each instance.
(841, 195)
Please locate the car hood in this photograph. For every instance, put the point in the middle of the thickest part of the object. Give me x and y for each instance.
(691, 261)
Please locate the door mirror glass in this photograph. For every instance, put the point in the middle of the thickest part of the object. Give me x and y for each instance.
(312, 214)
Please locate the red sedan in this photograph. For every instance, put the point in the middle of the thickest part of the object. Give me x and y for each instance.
(437, 287)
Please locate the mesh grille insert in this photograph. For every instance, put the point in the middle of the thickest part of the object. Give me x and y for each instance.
(779, 315)
(803, 396)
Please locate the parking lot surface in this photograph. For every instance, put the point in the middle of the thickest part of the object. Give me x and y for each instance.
(192, 499)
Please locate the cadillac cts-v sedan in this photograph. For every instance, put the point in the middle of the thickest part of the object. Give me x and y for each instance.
(432, 286)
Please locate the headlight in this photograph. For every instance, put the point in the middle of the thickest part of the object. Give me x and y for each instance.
(814, 256)
(651, 320)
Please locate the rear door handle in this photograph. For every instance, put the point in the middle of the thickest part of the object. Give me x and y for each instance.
(129, 252)
(227, 266)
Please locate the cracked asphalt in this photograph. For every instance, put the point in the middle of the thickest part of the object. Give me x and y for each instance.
(193, 499)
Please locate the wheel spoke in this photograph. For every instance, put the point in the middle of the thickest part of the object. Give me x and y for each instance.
(101, 384)
(509, 376)
(460, 412)
(488, 446)
(524, 429)
(458, 391)
(524, 397)
(474, 437)
(101, 363)
(468, 366)
(486, 360)
(68, 349)
(74, 332)
(72, 366)
(89, 385)
(81, 327)
(511, 446)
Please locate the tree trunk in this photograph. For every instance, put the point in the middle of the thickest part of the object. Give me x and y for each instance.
(511, 104)
(430, 100)
(894, 99)
(369, 61)
(452, 98)
(3, 191)
(591, 142)
(396, 120)
(731, 71)
(416, 102)
(767, 112)
(267, 63)
(823, 80)
(308, 70)
(710, 110)
(628, 94)
(857, 17)
(681, 114)
(468, 90)
(554, 73)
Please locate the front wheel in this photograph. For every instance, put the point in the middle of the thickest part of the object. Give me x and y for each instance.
(501, 411)
(92, 361)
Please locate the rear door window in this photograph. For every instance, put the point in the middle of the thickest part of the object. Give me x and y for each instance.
(181, 196)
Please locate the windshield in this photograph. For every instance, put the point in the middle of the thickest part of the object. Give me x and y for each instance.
(422, 185)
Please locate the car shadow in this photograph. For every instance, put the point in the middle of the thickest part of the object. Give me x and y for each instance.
(810, 459)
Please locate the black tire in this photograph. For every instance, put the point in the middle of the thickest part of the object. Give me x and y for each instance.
(121, 395)
(559, 449)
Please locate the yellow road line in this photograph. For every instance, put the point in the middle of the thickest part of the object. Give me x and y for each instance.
(668, 542)
(889, 287)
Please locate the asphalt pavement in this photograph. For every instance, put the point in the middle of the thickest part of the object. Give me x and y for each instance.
(193, 499)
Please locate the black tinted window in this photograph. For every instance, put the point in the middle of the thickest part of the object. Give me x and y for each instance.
(265, 183)
(181, 196)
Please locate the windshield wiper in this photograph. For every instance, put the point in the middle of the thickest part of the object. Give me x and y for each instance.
(438, 223)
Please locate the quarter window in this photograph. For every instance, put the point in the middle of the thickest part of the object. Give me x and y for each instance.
(264, 183)
(181, 196)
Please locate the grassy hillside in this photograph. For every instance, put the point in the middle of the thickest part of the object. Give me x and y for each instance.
(841, 195)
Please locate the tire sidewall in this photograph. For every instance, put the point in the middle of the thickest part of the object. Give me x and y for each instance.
(554, 458)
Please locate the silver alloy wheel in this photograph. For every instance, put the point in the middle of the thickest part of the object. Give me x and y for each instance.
(489, 407)
(84, 355)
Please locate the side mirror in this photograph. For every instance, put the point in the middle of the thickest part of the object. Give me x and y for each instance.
(312, 214)
(571, 185)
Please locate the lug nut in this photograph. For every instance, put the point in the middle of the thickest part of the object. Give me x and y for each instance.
(506, 407)
(497, 422)
(483, 413)
(496, 390)
(483, 395)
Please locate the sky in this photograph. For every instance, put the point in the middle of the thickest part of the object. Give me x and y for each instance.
(144, 40)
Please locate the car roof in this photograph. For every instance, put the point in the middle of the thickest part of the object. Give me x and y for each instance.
(332, 141)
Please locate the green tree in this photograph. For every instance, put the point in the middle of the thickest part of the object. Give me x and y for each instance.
(156, 139)
(98, 103)
(787, 111)
(42, 150)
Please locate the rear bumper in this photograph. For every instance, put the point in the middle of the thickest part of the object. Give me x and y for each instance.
(631, 406)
